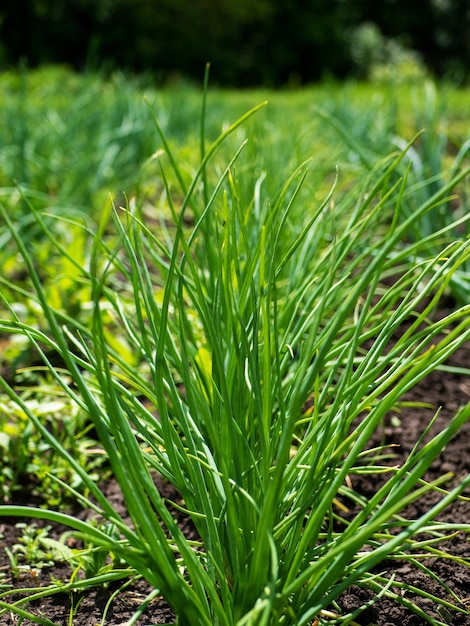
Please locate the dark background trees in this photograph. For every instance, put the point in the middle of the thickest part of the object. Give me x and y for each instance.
(248, 42)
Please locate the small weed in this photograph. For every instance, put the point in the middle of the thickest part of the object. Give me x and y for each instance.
(27, 456)
(35, 550)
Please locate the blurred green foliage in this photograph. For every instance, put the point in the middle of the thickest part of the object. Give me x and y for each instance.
(248, 42)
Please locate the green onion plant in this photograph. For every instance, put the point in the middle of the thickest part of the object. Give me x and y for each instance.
(432, 167)
(436, 157)
(247, 352)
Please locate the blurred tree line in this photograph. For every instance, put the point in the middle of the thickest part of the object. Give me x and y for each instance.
(248, 42)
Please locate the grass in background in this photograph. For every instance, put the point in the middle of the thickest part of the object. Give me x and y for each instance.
(244, 347)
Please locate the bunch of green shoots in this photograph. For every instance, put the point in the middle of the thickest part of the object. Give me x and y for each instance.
(247, 353)
(435, 158)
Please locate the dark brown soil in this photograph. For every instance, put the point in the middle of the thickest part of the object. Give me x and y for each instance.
(449, 391)
(440, 389)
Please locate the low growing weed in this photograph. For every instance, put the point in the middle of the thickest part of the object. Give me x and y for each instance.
(266, 353)
(26, 457)
(35, 550)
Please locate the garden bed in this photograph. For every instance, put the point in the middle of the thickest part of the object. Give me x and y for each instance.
(253, 351)
(440, 389)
